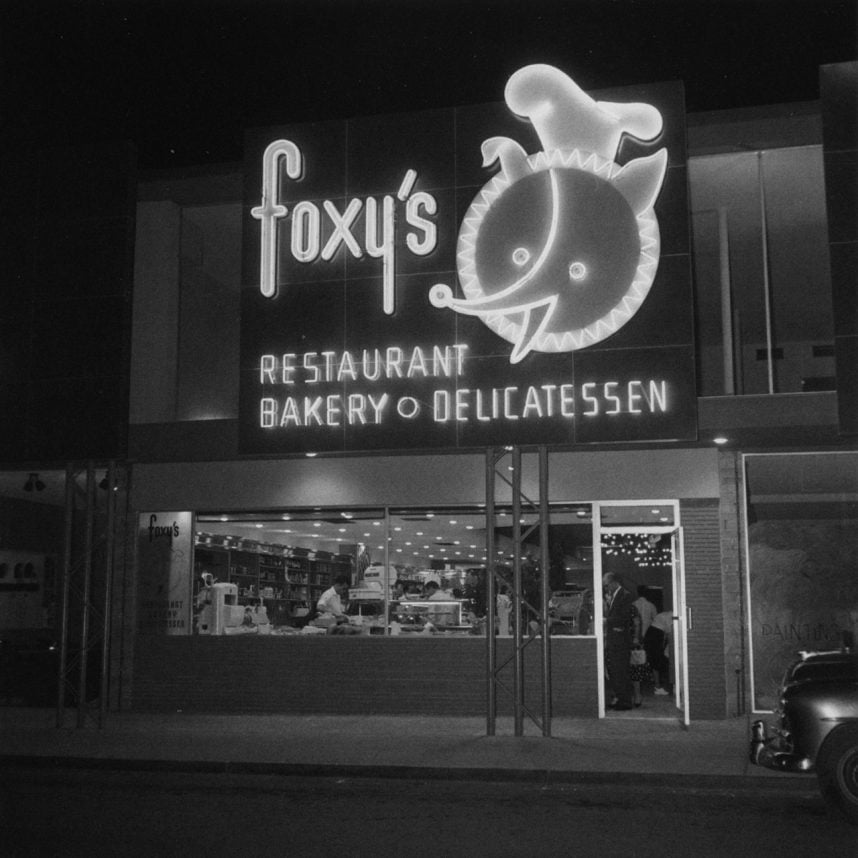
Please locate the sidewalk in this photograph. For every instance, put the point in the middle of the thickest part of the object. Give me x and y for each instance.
(383, 746)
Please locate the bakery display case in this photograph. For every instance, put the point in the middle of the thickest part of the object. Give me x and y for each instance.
(417, 613)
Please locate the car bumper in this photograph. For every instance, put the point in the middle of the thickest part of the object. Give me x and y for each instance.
(771, 751)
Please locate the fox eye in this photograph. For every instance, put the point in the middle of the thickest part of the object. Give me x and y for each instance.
(577, 271)
(520, 256)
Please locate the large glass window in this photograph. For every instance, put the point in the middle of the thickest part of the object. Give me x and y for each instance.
(34, 526)
(802, 532)
(761, 269)
(263, 573)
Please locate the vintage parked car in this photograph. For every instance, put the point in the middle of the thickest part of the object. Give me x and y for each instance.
(817, 726)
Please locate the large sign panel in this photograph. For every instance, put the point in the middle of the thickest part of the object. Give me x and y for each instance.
(513, 273)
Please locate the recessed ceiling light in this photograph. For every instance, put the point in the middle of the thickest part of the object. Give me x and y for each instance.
(720, 439)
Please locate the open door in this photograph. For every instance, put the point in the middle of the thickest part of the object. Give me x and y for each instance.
(681, 625)
(642, 543)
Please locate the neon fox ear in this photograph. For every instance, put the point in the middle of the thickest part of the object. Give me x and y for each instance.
(512, 157)
(565, 117)
(640, 180)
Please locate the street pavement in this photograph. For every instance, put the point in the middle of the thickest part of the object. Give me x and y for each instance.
(384, 746)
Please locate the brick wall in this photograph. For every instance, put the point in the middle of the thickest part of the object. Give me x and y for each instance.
(732, 582)
(701, 526)
(349, 675)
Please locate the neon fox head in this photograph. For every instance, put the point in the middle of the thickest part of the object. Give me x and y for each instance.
(559, 249)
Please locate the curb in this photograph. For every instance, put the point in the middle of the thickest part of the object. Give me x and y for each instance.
(405, 772)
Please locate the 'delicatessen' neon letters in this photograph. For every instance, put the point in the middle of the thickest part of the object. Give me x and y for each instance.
(456, 403)
(306, 228)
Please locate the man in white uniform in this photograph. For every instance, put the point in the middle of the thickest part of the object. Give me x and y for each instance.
(330, 604)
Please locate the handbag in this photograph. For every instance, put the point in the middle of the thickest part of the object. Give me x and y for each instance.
(637, 658)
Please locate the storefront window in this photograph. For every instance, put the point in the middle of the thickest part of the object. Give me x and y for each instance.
(260, 573)
(762, 279)
(802, 532)
(34, 525)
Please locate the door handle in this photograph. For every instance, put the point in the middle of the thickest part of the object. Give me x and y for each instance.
(689, 620)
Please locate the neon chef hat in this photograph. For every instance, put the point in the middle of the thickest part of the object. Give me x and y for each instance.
(565, 117)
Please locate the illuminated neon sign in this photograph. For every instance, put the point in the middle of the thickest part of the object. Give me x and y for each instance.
(460, 403)
(306, 242)
(349, 342)
(560, 249)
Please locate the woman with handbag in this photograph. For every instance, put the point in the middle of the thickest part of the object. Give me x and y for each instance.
(640, 671)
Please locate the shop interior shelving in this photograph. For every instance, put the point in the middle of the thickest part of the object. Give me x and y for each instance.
(286, 579)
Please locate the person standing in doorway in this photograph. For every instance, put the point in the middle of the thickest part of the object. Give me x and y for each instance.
(646, 610)
(622, 632)
(657, 645)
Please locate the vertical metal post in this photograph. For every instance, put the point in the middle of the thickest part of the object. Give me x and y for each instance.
(517, 604)
(767, 291)
(108, 593)
(491, 640)
(385, 579)
(727, 343)
(545, 560)
(66, 586)
(87, 582)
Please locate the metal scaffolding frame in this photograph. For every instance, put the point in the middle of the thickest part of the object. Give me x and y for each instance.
(90, 635)
(538, 629)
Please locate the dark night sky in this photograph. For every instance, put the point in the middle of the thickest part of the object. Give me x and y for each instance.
(183, 79)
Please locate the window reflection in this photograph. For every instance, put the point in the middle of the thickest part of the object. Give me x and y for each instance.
(802, 544)
(762, 278)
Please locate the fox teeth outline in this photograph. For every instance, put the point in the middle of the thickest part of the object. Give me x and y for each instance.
(529, 334)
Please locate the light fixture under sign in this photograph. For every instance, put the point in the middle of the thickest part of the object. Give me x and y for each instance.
(34, 483)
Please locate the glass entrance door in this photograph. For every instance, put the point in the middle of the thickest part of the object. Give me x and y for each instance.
(641, 545)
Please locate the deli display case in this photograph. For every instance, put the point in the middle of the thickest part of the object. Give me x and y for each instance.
(417, 613)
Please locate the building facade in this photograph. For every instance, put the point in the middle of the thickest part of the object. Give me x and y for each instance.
(506, 352)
